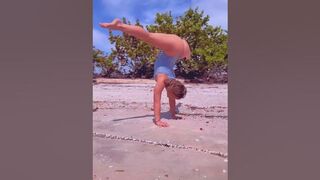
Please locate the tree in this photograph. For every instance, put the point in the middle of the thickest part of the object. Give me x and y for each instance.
(135, 55)
(208, 45)
(106, 63)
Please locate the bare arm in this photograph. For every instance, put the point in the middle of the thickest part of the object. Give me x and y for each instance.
(172, 104)
(157, 101)
(173, 112)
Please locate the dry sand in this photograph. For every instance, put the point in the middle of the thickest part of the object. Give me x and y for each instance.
(127, 145)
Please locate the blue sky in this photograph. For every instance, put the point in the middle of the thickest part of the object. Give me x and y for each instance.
(107, 10)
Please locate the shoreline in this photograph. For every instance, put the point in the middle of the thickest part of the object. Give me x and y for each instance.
(147, 81)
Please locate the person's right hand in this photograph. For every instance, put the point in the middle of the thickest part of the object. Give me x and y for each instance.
(160, 123)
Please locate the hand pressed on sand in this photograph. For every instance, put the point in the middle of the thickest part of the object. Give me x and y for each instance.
(176, 117)
(161, 123)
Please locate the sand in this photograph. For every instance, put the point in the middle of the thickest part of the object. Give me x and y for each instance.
(127, 145)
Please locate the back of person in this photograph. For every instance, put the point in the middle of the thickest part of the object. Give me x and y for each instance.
(165, 64)
(163, 67)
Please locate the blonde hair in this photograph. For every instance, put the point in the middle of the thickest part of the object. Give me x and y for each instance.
(178, 89)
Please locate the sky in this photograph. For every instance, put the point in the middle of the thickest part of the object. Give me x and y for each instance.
(107, 10)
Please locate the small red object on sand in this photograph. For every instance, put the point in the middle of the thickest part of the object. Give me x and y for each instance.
(201, 129)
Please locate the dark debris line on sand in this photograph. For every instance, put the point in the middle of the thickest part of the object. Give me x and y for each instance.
(109, 136)
(196, 111)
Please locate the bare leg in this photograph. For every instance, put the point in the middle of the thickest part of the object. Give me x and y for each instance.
(169, 43)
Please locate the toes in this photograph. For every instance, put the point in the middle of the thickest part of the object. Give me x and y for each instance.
(103, 24)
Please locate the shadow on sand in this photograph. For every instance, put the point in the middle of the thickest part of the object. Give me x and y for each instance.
(165, 115)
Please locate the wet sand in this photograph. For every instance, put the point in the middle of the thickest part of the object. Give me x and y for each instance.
(127, 145)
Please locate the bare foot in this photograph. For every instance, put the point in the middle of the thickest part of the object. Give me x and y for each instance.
(161, 123)
(113, 25)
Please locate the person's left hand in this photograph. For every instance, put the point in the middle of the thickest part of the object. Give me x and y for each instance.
(176, 117)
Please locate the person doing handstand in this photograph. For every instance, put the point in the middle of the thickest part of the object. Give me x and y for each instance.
(172, 48)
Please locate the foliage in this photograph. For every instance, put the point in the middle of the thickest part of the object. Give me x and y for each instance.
(208, 46)
(105, 62)
(132, 53)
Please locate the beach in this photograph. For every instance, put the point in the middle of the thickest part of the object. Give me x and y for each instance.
(127, 145)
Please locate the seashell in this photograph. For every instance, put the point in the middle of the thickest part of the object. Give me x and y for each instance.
(224, 171)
